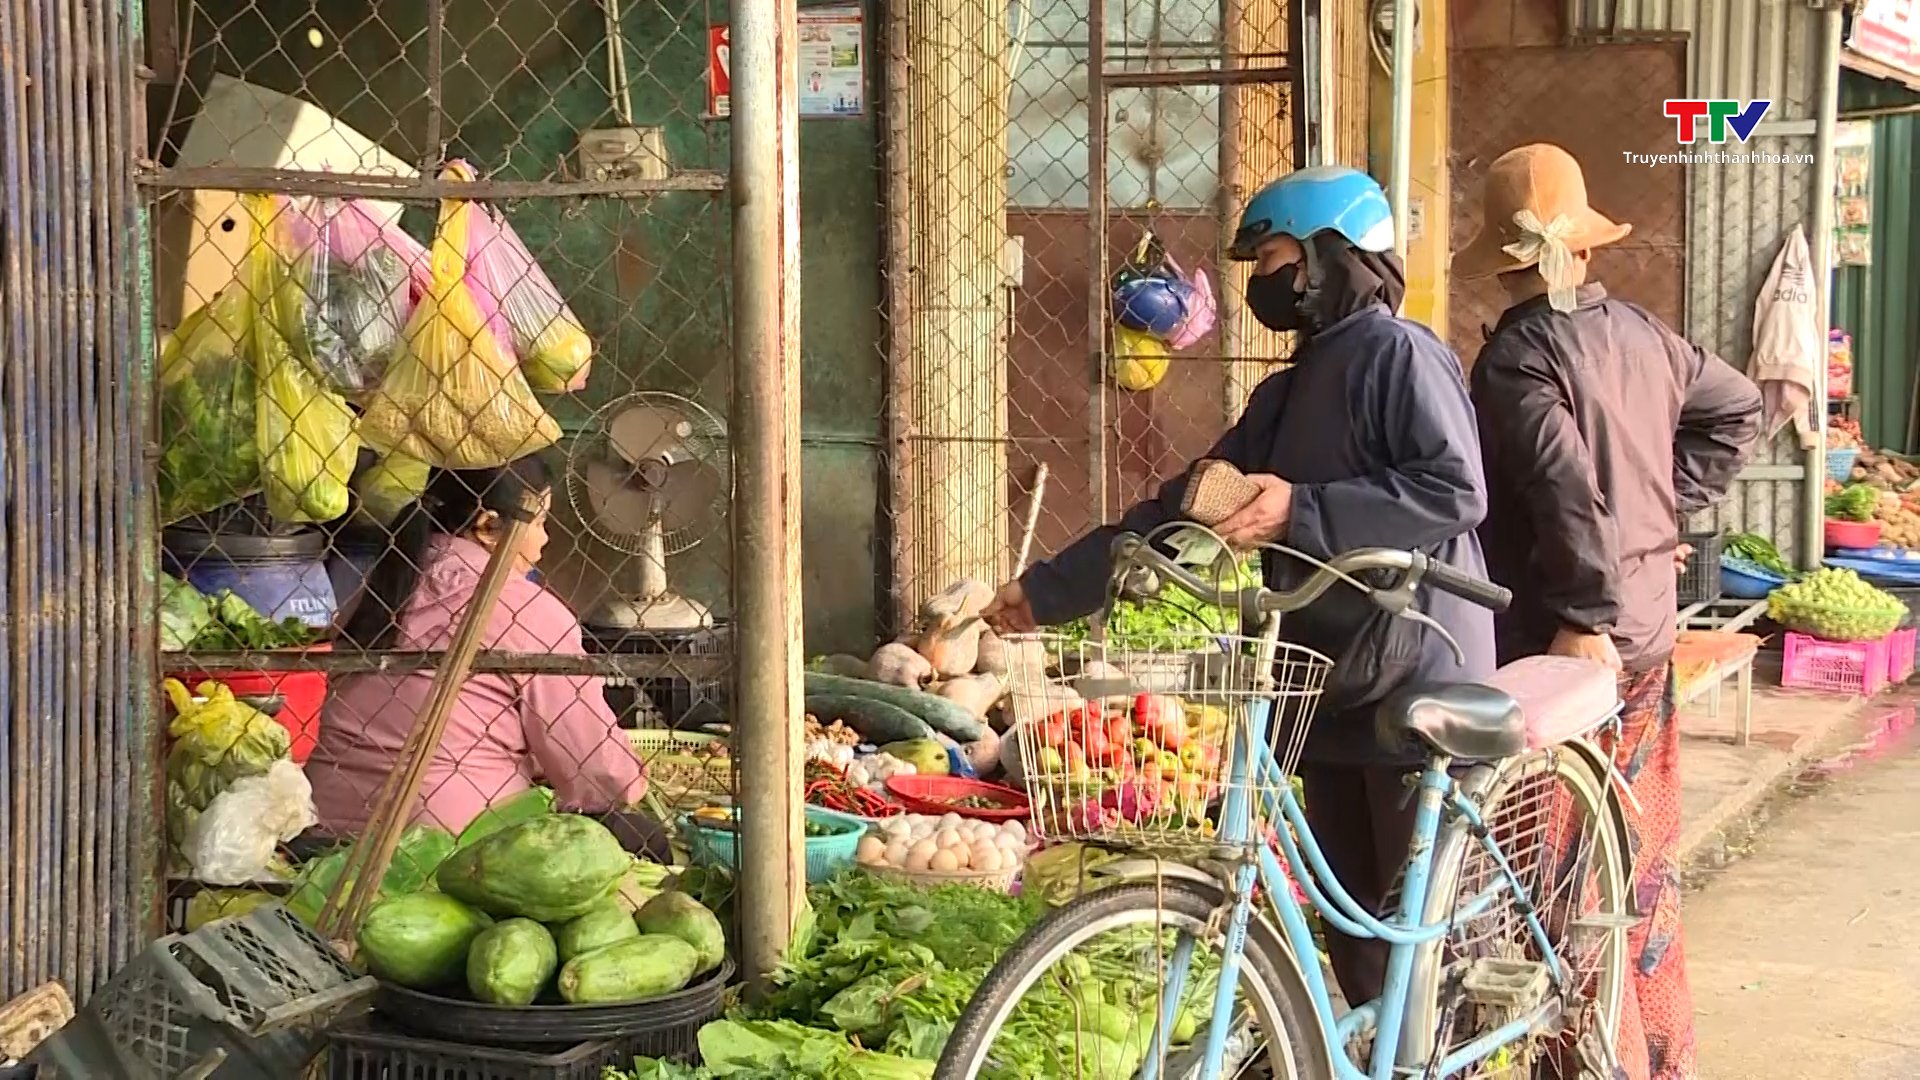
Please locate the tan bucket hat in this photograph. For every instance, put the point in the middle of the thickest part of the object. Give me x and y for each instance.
(1535, 212)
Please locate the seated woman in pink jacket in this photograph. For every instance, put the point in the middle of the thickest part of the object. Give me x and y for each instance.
(507, 733)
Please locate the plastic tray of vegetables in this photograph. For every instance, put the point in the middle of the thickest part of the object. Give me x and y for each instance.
(1836, 605)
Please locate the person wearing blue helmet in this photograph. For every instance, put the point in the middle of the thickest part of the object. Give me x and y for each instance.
(1366, 439)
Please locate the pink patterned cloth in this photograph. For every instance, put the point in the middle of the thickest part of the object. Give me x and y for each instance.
(506, 732)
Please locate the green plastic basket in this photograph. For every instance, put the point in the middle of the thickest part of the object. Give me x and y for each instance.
(826, 855)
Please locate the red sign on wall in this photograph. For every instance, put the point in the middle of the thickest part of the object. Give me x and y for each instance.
(719, 72)
(1888, 31)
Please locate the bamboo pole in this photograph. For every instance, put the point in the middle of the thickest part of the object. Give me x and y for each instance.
(1033, 518)
(367, 864)
(766, 469)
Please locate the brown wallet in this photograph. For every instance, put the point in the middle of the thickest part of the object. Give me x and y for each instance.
(1216, 490)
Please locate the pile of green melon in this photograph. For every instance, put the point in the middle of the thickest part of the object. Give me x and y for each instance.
(536, 912)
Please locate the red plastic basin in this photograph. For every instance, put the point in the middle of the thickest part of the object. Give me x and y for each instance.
(936, 795)
(1852, 534)
(302, 695)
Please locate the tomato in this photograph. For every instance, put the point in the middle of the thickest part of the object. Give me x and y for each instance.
(1053, 732)
(1119, 730)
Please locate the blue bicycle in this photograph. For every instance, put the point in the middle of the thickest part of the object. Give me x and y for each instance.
(1507, 935)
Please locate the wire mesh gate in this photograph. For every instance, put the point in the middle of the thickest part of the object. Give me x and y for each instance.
(1120, 120)
(77, 836)
(486, 238)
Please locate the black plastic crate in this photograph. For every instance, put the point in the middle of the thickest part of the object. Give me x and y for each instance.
(238, 999)
(369, 1052)
(1700, 581)
(675, 702)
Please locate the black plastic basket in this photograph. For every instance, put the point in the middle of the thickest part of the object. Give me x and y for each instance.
(1700, 581)
(239, 998)
(373, 1053)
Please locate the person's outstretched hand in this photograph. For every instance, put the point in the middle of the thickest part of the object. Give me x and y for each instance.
(1262, 520)
(1009, 613)
(1595, 647)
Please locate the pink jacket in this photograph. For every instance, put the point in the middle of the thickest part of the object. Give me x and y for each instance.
(506, 732)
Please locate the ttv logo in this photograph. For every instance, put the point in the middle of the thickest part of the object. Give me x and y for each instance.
(1721, 116)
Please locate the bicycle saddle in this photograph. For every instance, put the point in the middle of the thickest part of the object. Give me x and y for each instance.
(1468, 721)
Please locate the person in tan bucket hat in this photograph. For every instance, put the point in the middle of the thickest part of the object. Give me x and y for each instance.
(1536, 214)
(1601, 428)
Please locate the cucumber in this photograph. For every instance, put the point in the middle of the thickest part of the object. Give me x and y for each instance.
(946, 717)
(876, 721)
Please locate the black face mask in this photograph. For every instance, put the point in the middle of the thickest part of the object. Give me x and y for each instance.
(1273, 299)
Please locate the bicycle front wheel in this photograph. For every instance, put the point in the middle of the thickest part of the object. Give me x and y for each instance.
(1013, 1027)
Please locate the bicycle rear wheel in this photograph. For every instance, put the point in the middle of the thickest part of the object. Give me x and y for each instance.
(1552, 818)
(995, 1037)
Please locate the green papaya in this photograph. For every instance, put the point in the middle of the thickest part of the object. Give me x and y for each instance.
(642, 967)
(550, 869)
(676, 914)
(421, 939)
(609, 921)
(511, 962)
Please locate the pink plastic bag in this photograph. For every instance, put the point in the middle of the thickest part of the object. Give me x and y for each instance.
(360, 277)
(554, 351)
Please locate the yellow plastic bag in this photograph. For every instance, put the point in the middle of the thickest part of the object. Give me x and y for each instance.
(304, 432)
(394, 481)
(454, 397)
(207, 393)
(1140, 360)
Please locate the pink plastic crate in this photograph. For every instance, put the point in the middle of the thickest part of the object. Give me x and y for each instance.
(1900, 654)
(1841, 667)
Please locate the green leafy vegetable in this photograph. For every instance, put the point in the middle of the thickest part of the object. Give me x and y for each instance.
(1759, 550)
(890, 966)
(1177, 620)
(184, 614)
(1855, 502)
(224, 623)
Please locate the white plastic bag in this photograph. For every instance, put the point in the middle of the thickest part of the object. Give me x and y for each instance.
(1789, 344)
(234, 840)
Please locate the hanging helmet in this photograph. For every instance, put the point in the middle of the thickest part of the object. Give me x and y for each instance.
(1325, 197)
(1140, 360)
(1153, 305)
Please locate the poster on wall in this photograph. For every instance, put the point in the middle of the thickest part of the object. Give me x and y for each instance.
(831, 59)
(1853, 201)
(1888, 31)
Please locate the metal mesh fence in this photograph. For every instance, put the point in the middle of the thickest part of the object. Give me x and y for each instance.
(415, 263)
(1133, 132)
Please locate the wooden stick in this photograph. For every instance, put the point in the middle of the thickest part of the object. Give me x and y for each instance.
(373, 853)
(1033, 518)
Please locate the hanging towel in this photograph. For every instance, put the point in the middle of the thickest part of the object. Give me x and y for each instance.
(1789, 344)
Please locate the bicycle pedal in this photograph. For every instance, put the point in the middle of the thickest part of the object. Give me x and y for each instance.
(1509, 984)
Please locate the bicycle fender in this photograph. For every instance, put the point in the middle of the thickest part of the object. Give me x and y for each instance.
(1618, 794)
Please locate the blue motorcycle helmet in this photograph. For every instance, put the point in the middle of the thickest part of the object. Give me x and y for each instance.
(1325, 198)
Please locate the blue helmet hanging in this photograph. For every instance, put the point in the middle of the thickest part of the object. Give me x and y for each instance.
(1325, 197)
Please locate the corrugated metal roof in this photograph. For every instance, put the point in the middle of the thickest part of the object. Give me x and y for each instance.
(1739, 215)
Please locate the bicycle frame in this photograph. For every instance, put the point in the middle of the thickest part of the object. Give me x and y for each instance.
(1406, 931)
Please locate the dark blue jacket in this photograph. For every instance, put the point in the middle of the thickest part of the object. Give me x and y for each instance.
(1372, 425)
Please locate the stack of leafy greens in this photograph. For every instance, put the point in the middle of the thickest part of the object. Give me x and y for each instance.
(190, 621)
(1177, 620)
(874, 986)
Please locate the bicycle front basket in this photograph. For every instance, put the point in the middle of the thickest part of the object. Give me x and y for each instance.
(1135, 747)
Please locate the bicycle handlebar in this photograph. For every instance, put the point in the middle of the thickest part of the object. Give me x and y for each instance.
(1132, 553)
